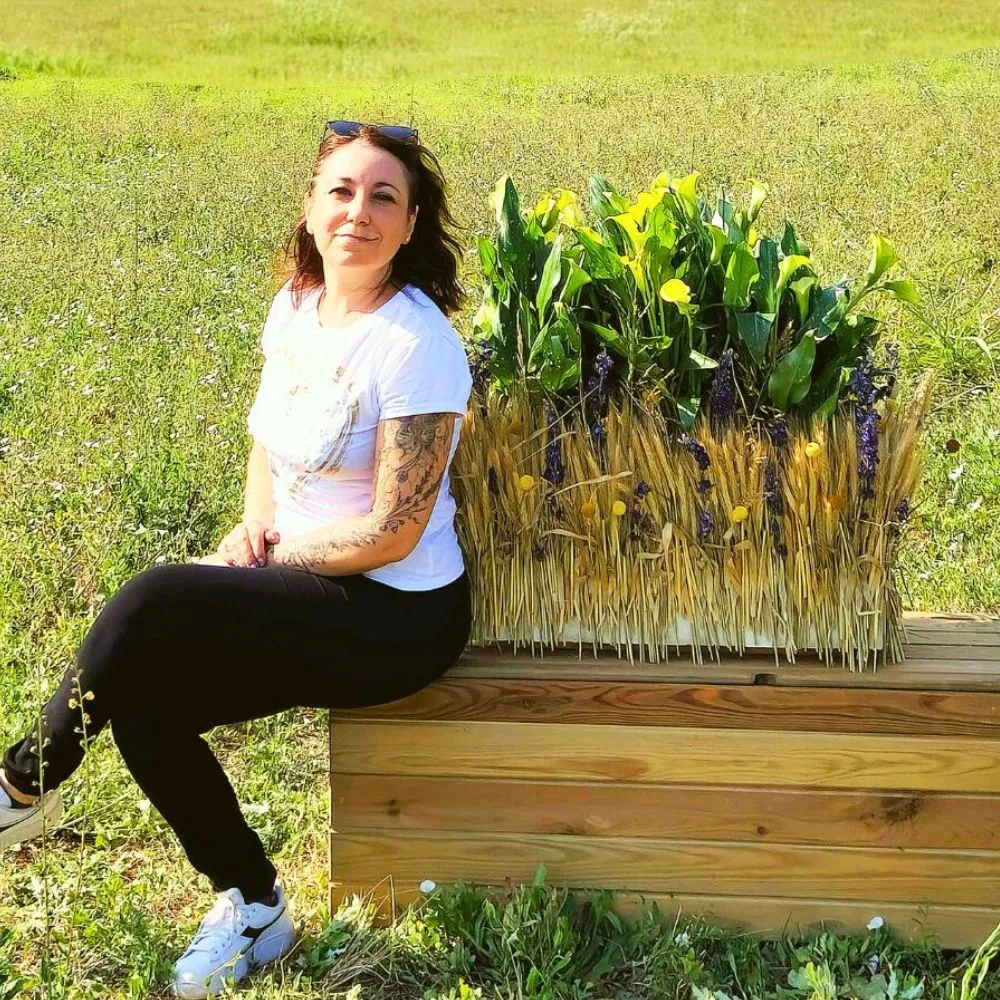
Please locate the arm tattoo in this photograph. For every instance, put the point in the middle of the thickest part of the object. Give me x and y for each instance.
(412, 454)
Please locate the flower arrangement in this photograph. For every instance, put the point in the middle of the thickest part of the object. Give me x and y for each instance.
(683, 433)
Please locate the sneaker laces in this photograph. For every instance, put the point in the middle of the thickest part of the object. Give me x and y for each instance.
(219, 925)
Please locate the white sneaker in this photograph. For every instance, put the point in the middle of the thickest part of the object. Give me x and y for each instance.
(233, 938)
(18, 825)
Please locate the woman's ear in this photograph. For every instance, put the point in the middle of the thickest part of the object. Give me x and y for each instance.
(305, 213)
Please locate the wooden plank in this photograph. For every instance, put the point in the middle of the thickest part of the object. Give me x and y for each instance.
(927, 675)
(683, 812)
(964, 878)
(650, 754)
(953, 652)
(771, 917)
(842, 710)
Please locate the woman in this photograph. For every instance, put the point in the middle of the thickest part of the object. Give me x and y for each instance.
(342, 586)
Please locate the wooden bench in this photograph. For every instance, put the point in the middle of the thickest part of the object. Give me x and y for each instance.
(771, 797)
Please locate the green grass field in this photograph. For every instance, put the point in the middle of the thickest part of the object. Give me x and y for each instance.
(152, 159)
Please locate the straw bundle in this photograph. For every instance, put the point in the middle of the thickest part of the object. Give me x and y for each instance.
(783, 550)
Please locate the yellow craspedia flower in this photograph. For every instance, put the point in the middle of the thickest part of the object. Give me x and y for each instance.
(588, 508)
(618, 508)
(813, 449)
(738, 514)
(526, 483)
(675, 291)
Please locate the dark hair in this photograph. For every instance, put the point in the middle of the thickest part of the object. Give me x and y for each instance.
(429, 260)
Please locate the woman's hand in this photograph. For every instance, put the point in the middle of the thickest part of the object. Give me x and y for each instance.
(247, 545)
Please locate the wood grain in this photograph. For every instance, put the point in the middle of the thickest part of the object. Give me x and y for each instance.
(833, 710)
(667, 755)
(965, 878)
(684, 812)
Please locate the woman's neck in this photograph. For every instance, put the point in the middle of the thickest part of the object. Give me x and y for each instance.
(346, 296)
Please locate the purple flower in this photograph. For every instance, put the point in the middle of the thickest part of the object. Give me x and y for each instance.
(778, 432)
(597, 431)
(641, 490)
(704, 485)
(479, 364)
(700, 455)
(705, 525)
(900, 516)
(772, 491)
(866, 425)
(555, 471)
(723, 392)
(862, 382)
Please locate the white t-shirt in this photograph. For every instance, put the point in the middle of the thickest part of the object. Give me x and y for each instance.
(322, 393)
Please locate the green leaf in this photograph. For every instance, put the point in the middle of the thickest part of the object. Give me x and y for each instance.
(741, 273)
(758, 195)
(687, 410)
(576, 278)
(755, 331)
(725, 218)
(610, 337)
(488, 260)
(828, 307)
(696, 361)
(883, 257)
(791, 372)
(765, 292)
(788, 266)
(802, 287)
(826, 409)
(904, 290)
(550, 276)
(791, 244)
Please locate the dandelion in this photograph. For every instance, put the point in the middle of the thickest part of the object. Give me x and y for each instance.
(675, 291)
(618, 508)
(526, 483)
(738, 514)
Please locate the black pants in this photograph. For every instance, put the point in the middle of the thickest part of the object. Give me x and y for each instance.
(181, 649)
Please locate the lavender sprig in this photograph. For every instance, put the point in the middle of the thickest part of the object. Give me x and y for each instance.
(705, 525)
(723, 391)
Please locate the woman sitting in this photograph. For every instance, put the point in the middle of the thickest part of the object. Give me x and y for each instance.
(342, 586)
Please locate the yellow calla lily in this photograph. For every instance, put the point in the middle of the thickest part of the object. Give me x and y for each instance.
(752, 237)
(675, 291)
(686, 186)
(545, 205)
(592, 233)
(565, 199)
(628, 223)
(571, 216)
(662, 180)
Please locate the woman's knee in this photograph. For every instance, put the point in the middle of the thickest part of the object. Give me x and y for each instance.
(140, 613)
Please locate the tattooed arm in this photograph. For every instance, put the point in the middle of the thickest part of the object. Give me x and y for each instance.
(411, 455)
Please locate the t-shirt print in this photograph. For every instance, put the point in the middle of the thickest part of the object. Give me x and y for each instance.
(314, 415)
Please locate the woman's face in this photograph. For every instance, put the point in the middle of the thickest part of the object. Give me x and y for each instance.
(357, 211)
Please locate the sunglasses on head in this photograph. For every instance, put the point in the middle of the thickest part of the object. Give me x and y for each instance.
(397, 132)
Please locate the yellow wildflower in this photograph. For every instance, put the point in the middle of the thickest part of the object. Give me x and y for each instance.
(675, 291)
(526, 483)
(618, 508)
(588, 508)
(813, 449)
(738, 513)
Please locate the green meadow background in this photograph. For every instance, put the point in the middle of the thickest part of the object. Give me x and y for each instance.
(152, 157)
